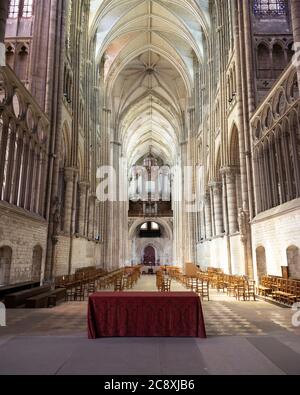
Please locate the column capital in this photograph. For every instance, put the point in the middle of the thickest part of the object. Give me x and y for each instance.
(83, 186)
(215, 185)
(229, 171)
(207, 197)
(92, 198)
(70, 173)
(117, 143)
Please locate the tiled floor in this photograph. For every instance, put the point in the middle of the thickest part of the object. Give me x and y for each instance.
(248, 337)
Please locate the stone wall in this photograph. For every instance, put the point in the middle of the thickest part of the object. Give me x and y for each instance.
(84, 254)
(61, 256)
(276, 231)
(21, 232)
(215, 253)
(237, 257)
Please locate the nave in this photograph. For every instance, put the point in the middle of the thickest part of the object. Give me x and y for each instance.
(243, 338)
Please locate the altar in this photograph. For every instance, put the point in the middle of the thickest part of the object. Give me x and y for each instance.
(145, 269)
(145, 314)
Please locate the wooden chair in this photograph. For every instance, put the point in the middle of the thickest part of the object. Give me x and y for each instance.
(70, 293)
(250, 291)
(203, 289)
(220, 284)
(159, 281)
(79, 292)
(91, 287)
(264, 288)
(231, 286)
(240, 290)
(118, 285)
(166, 285)
(193, 283)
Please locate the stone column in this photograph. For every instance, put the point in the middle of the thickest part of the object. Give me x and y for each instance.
(257, 184)
(133, 184)
(92, 202)
(4, 4)
(295, 11)
(10, 163)
(230, 176)
(208, 224)
(69, 180)
(17, 173)
(166, 186)
(83, 188)
(218, 209)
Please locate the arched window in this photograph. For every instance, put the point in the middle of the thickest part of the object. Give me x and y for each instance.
(20, 8)
(270, 7)
(14, 9)
(150, 229)
(263, 62)
(279, 61)
(27, 9)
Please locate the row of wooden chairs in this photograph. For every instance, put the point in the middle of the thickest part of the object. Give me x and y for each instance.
(80, 289)
(127, 279)
(239, 287)
(198, 284)
(163, 282)
(80, 275)
(286, 291)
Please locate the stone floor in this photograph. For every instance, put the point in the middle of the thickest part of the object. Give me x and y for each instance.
(243, 338)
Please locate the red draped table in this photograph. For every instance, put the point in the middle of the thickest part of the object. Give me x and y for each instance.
(145, 314)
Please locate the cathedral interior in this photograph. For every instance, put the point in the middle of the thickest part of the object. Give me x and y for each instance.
(162, 135)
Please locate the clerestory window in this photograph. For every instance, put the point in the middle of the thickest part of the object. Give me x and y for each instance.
(270, 7)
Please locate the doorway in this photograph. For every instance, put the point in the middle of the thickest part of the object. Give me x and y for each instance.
(149, 258)
(261, 262)
(293, 258)
(5, 265)
(37, 258)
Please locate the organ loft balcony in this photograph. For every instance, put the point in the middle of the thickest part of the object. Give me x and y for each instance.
(150, 209)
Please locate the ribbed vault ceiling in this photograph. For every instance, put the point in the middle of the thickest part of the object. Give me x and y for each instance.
(149, 49)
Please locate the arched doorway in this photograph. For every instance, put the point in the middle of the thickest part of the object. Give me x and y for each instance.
(5, 265)
(293, 258)
(149, 256)
(155, 232)
(261, 262)
(37, 258)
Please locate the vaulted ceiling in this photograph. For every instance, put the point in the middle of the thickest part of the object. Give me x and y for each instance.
(149, 49)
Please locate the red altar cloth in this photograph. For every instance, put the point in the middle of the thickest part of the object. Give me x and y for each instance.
(145, 314)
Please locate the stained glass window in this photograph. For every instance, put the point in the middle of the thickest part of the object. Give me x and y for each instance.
(27, 8)
(14, 9)
(23, 8)
(270, 7)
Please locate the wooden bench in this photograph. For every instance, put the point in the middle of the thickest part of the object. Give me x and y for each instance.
(17, 299)
(13, 288)
(47, 299)
(282, 290)
(57, 296)
(38, 302)
(263, 291)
